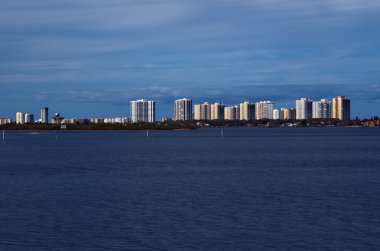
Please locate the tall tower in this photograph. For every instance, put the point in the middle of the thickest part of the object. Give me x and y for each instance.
(304, 108)
(341, 108)
(44, 115)
(183, 109)
(143, 110)
(247, 111)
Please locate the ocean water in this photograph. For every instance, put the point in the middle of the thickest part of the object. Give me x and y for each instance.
(253, 189)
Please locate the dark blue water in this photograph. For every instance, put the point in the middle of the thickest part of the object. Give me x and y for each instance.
(254, 189)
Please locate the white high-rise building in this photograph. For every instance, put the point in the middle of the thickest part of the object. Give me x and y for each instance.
(183, 109)
(232, 113)
(247, 111)
(317, 110)
(264, 110)
(304, 108)
(44, 115)
(143, 110)
(322, 109)
(217, 111)
(20, 118)
(29, 118)
(276, 114)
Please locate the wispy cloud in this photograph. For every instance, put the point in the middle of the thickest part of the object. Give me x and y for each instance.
(227, 94)
(94, 14)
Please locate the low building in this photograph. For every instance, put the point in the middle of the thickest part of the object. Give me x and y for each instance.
(4, 121)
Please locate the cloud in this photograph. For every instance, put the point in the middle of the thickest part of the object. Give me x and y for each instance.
(109, 52)
(305, 6)
(91, 14)
(226, 94)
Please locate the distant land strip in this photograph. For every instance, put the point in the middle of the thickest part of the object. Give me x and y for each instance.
(191, 125)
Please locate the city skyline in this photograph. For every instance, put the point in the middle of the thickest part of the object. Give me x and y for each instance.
(93, 57)
(144, 110)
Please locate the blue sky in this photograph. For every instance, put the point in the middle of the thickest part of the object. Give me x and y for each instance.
(90, 58)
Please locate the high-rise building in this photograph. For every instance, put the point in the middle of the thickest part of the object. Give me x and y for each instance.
(183, 109)
(206, 111)
(321, 109)
(326, 108)
(304, 108)
(264, 110)
(276, 114)
(232, 113)
(247, 111)
(143, 110)
(217, 111)
(282, 113)
(290, 114)
(197, 112)
(29, 118)
(202, 112)
(44, 115)
(341, 108)
(20, 118)
(317, 110)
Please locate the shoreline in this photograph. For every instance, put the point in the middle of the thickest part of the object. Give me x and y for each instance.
(198, 128)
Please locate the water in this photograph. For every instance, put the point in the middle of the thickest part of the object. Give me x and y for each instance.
(253, 189)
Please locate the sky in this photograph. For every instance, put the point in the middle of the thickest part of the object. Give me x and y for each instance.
(90, 58)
